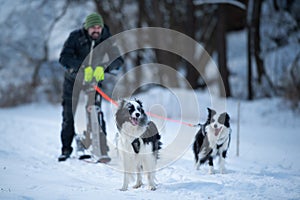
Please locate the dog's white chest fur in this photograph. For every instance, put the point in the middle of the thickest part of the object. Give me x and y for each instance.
(133, 131)
(221, 139)
(130, 133)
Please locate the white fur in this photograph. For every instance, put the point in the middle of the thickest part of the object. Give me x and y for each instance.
(135, 163)
(222, 138)
(201, 155)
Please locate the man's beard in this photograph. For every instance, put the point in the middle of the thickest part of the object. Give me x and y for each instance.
(95, 35)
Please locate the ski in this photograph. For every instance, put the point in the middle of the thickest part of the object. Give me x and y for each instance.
(83, 157)
(93, 160)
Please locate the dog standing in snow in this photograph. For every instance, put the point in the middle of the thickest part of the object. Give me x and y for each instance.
(138, 143)
(212, 140)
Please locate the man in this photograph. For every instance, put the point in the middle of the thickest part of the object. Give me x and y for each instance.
(76, 48)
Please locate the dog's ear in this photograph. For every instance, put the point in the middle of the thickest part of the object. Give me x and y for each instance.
(225, 119)
(227, 116)
(211, 111)
(122, 103)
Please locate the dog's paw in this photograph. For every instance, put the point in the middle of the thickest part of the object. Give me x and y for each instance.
(152, 187)
(222, 170)
(136, 186)
(211, 170)
(123, 189)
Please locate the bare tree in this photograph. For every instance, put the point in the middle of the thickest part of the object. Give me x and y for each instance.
(253, 46)
(29, 51)
(39, 62)
(221, 49)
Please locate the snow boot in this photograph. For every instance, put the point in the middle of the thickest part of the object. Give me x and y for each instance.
(65, 155)
(80, 148)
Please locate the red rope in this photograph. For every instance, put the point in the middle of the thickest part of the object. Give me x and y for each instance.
(106, 97)
(169, 119)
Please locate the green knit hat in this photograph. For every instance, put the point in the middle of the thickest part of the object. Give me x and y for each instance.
(92, 20)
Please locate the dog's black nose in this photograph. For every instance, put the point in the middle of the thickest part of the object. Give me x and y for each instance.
(137, 114)
(215, 126)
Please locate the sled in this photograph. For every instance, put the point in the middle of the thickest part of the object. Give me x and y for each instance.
(93, 143)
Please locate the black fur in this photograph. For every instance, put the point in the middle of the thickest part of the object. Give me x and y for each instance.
(201, 143)
(136, 145)
(151, 135)
(148, 137)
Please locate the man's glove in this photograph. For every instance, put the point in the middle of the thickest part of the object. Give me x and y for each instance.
(88, 74)
(99, 73)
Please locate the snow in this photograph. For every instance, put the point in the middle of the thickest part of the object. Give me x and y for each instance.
(268, 166)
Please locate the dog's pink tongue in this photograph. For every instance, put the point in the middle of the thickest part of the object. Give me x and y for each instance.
(134, 121)
(217, 131)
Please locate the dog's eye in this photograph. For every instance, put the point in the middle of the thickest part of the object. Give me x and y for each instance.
(212, 120)
(130, 107)
(140, 110)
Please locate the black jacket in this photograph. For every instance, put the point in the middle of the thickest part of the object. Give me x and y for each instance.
(77, 48)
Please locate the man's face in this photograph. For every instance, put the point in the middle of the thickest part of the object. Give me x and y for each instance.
(95, 32)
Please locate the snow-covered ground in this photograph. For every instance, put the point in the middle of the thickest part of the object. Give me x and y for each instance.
(268, 166)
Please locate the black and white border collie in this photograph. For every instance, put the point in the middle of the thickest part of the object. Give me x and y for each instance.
(212, 140)
(138, 143)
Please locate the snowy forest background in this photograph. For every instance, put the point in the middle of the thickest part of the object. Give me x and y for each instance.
(33, 32)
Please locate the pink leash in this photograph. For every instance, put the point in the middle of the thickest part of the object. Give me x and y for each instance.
(106, 97)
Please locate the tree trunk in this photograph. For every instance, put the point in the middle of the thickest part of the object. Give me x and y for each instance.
(192, 73)
(249, 61)
(167, 77)
(221, 49)
(115, 25)
(249, 47)
(261, 72)
(208, 38)
(38, 63)
(256, 40)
